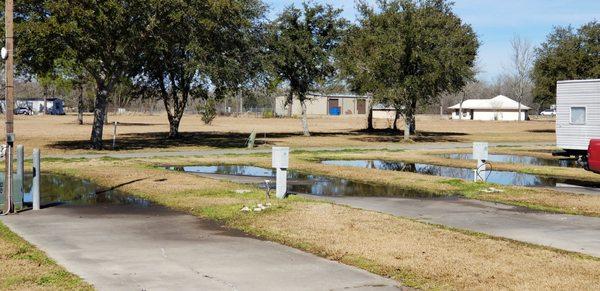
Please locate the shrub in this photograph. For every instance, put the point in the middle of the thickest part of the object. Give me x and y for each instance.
(207, 110)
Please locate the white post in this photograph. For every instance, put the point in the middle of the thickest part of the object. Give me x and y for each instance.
(480, 153)
(35, 187)
(280, 161)
(18, 199)
(281, 187)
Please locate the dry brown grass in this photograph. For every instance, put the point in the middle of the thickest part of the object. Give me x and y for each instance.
(411, 183)
(61, 134)
(418, 254)
(430, 256)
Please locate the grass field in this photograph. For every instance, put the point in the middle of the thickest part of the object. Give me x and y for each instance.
(414, 253)
(62, 135)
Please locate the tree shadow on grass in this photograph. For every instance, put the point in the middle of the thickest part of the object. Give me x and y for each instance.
(225, 140)
(135, 124)
(552, 130)
(390, 135)
(138, 141)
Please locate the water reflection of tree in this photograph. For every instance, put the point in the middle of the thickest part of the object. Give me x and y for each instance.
(397, 166)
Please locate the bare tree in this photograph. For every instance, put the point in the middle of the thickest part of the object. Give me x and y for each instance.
(522, 63)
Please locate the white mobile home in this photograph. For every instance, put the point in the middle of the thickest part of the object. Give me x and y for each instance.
(55, 106)
(577, 114)
(497, 108)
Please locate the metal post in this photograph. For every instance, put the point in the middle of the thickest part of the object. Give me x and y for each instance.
(115, 135)
(35, 186)
(19, 179)
(8, 23)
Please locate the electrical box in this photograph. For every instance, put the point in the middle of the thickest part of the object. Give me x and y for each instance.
(281, 157)
(480, 150)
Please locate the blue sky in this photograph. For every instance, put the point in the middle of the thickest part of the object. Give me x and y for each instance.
(496, 22)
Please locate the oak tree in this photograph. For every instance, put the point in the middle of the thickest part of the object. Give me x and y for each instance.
(408, 52)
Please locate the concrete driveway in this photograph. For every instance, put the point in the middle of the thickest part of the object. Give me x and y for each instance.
(129, 247)
(568, 232)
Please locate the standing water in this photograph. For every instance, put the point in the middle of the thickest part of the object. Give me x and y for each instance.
(497, 177)
(307, 183)
(515, 159)
(61, 189)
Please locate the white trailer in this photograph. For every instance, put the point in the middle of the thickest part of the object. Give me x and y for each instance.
(577, 116)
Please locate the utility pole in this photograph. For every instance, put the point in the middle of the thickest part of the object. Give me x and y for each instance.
(8, 181)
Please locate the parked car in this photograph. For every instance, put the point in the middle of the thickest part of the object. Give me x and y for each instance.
(548, 112)
(23, 111)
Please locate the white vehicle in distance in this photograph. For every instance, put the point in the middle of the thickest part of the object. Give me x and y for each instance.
(548, 112)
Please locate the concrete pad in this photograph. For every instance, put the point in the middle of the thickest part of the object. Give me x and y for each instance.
(568, 232)
(127, 247)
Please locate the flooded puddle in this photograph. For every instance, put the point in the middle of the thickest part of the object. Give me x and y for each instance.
(59, 189)
(514, 159)
(228, 170)
(497, 177)
(306, 183)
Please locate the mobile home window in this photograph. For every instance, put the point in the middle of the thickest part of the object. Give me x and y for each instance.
(578, 115)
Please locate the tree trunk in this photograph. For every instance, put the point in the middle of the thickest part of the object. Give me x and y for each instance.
(408, 123)
(175, 104)
(174, 122)
(45, 109)
(290, 103)
(395, 124)
(370, 118)
(80, 106)
(460, 110)
(99, 115)
(304, 119)
(241, 103)
(519, 110)
(412, 119)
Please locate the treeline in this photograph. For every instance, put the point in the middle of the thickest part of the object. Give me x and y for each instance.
(406, 53)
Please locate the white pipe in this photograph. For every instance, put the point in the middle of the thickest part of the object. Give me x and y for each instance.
(18, 203)
(35, 187)
(281, 180)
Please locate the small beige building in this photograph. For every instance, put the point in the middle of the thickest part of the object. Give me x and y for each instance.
(325, 104)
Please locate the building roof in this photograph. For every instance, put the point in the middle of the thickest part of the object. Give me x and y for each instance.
(498, 102)
(339, 95)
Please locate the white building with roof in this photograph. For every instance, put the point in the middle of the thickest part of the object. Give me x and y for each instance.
(497, 108)
(325, 104)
